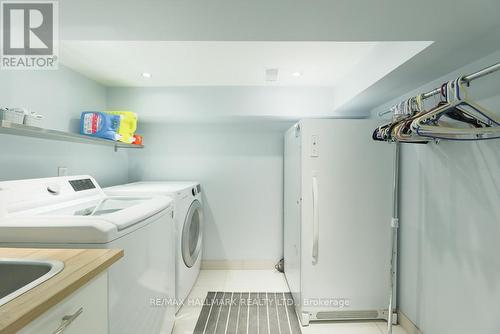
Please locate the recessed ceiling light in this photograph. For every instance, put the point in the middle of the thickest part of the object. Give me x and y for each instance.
(297, 74)
(146, 75)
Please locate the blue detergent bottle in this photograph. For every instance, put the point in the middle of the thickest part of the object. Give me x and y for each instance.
(99, 124)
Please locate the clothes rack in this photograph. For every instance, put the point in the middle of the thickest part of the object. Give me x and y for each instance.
(394, 239)
(395, 195)
(466, 79)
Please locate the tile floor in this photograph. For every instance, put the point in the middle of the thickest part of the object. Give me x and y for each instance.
(260, 281)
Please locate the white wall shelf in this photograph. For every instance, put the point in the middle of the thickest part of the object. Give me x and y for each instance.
(7, 127)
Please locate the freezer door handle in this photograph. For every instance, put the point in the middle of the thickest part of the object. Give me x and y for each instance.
(315, 204)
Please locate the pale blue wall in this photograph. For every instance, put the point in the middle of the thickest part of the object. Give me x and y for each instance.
(450, 225)
(60, 96)
(240, 168)
(236, 154)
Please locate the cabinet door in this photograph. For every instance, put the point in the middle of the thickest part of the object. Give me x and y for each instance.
(92, 299)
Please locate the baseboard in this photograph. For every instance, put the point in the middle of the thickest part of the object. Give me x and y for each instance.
(238, 264)
(407, 324)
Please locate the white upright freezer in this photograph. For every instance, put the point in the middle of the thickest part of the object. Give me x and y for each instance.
(338, 205)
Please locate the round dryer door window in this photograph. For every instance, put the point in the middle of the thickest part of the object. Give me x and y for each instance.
(192, 234)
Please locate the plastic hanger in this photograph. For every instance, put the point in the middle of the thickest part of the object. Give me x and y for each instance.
(383, 132)
(401, 112)
(479, 122)
(403, 132)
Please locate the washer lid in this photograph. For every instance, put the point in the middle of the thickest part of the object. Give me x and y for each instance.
(121, 211)
(150, 187)
(69, 209)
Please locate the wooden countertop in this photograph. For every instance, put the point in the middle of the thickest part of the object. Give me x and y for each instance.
(80, 266)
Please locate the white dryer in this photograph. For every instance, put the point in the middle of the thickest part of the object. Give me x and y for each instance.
(74, 212)
(188, 216)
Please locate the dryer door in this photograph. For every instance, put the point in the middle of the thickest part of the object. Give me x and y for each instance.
(192, 234)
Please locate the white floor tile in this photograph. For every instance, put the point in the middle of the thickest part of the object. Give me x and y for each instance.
(212, 279)
(255, 281)
(187, 316)
(395, 329)
(341, 328)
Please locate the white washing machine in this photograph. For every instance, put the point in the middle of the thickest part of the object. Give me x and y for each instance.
(188, 215)
(74, 212)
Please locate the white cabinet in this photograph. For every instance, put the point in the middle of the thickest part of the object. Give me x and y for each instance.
(84, 311)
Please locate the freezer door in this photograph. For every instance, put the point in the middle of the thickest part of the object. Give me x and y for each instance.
(292, 204)
(346, 211)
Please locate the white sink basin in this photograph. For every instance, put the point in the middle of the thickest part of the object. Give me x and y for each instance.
(18, 276)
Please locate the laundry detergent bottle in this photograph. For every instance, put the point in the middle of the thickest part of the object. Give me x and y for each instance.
(99, 124)
(128, 125)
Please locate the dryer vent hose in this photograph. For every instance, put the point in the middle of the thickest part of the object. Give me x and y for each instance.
(280, 266)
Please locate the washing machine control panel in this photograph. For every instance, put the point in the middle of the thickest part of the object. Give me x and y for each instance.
(82, 184)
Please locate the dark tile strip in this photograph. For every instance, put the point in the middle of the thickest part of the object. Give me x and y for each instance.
(233, 313)
(248, 313)
(243, 317)
(263, 319)
(205, 311)
(214, 314)
(292, 316)
(224, 313)
(253, 317)
(274, 326)
(281, 313)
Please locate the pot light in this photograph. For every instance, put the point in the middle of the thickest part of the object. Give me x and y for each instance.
(297, 74)
(146, 75)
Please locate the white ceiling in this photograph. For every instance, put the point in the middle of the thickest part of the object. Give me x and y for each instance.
(212, 63)
(463, 30)
(121, 63)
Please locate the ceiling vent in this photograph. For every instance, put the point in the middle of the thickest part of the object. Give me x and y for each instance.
(271, 74)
